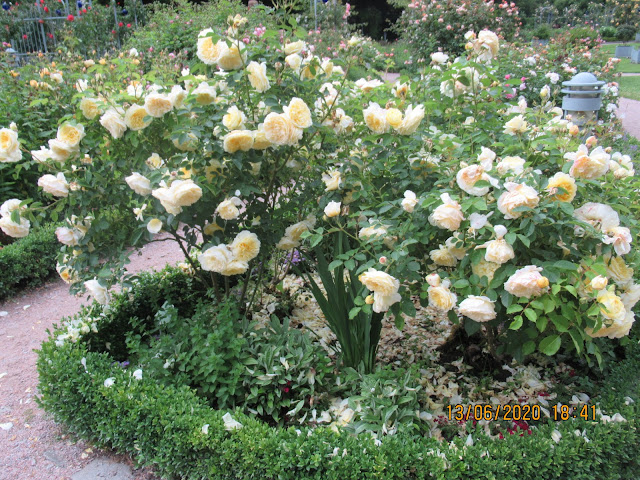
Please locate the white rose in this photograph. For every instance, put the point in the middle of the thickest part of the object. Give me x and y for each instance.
(61, 151)
(97, 291)
(409, 201)
(114, 123)
(598, 215)
(139, 184)
(154, 226)
(293, 61)
(516, 125)
(517, 195)
(13, 229)
(332, 209)
(527, 282)
(185, 192)
(439, 58)
(411, 121)
(56, 186)
(332, 180)
(228, 209)
(478, 308)
(448, 215)
(441, 298)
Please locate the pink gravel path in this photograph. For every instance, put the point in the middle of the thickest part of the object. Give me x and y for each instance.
(36, 448)
(630, 112)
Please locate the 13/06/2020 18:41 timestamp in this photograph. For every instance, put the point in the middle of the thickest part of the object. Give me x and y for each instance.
(565, 412)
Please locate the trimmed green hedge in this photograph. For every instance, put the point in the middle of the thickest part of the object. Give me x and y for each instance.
(162, 426)
(29, 261)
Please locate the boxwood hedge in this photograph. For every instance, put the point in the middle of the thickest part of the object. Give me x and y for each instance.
(162, 426)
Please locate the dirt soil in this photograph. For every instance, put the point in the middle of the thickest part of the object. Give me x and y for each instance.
(33, 446)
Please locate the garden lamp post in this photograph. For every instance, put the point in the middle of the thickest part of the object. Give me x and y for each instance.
(583, 98)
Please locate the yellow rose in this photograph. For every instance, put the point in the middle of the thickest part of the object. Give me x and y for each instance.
(61, 151)
(215, 259)
(258, 76)
(527, 282)
(332, 180)
(55, 185)
(185, 192)
(394, 117)
(376, 118)
(205, 94)
(448, 215)
(293, 61)
(486, 45)
(134, 118)
(443, 257)
(158, 104)
(188, 144)
(516, 125)
(564, 181)
(245, 246)
(260, 141)
(13, 229)
(411, 121)
(89, 108)
(485, 269)
(231, 57)
(70, 134)
(154, 226)
(139, 183)
(517, 195)
(154, 161)
(294, 47)
(280, 130)
(238, 140)
(228, 209)
(299, 113)
(234, 119)
(612, 307)
(114, 123)
(441, 298)
(619, 271)
(207, 51)
(9, 146)
(379, 282)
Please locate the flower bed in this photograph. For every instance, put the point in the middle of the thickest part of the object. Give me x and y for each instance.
(84, 385)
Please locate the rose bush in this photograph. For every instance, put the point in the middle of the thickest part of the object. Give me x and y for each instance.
(241, 158)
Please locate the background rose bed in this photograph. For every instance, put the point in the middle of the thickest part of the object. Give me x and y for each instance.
(240, 165)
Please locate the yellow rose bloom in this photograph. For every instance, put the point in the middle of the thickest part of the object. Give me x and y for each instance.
(134, 118)
(258, 76)
(299, 113)
(564, 181)
(70, 134)
(394, 117)
(245, 246)
(89, 108)
(238, 140)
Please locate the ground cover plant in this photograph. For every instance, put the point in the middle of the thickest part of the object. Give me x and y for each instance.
(350, 210)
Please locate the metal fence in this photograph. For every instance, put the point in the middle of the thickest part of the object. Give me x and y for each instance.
(38, 29)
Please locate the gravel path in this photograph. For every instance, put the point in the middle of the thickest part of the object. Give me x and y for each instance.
(33, 446)
(629, 110)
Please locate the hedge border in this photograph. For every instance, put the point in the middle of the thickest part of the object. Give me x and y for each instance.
(29, 261)
(162, 427)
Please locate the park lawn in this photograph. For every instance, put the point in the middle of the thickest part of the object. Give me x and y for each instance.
(625, 65)
(630, 87)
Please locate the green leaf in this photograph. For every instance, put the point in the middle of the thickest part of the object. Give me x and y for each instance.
(530, 314)
(528, 348)
(565, 265)
(471, 326)
(516, 324)
(461, 283)
(550, 345)
(514, 308)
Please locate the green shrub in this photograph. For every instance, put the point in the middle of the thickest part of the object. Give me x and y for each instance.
(543, 32)
(174, 26)
(173, 429)
(29, 261)
(274, 372)
(626, 32)
(608, 33)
